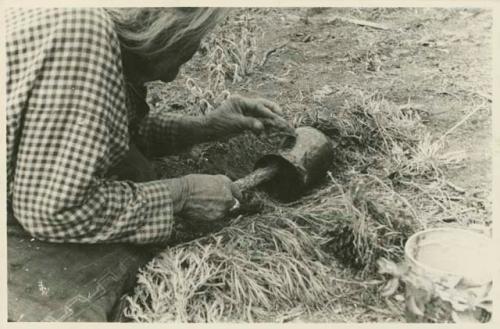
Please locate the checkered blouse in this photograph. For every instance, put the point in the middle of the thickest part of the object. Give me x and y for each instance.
(67, 124)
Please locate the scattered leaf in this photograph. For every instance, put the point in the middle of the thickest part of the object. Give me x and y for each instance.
(386, 266)
(412, 306)
(390, 287)
(464, 317)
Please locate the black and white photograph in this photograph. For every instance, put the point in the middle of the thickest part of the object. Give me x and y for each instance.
(189, 164)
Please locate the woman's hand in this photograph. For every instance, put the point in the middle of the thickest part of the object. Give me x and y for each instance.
(206, 197)
(238, 114)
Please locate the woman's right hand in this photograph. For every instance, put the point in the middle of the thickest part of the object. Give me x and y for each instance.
(207, 197)
(238, 114)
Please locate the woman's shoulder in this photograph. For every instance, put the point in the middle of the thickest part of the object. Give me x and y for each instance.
(89, 18)
(93, 21)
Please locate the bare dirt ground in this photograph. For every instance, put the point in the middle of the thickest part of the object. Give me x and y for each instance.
(438, 61)
(433, 63)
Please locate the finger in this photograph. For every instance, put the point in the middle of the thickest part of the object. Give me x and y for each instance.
(255, 108)
(249, 123)
(236, 192)
(235, 206)
(271, 105)
(281, 125)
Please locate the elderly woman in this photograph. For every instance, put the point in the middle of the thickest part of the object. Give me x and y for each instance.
(76, 112)
(77, 119)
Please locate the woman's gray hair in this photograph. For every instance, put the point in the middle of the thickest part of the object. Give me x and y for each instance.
(149, 32)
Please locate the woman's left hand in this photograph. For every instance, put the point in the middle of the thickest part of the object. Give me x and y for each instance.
(238, 114)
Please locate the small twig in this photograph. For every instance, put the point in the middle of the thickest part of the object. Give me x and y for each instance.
(361, 283)
(270, 51)
(456, 188)
(362, 23)
(458, 124)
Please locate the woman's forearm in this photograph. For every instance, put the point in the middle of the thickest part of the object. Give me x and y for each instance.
(162, 134)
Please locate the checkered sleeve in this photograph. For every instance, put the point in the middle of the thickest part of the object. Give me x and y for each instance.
(67, 125)
(161, 133)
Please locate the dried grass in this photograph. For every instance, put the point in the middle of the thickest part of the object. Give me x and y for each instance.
(231, 54)
(292, 260)
(255, 268)
(260, 267)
